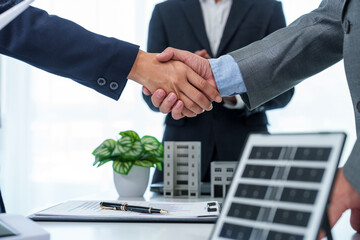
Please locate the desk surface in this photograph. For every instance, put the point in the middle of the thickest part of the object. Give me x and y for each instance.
(158, 231)
(109, 231)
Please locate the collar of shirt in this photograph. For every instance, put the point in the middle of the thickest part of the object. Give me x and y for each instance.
(215, 17)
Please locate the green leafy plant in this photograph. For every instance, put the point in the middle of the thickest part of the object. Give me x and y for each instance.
(128, 151)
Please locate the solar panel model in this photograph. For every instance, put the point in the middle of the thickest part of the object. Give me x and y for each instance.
(281, 187)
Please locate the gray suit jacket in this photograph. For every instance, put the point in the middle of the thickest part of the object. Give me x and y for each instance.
(312, 43)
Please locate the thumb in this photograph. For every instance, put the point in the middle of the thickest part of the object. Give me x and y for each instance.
(173, 54)
(166, 55)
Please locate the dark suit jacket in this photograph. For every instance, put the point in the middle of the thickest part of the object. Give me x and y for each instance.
(64, 48)
(222, 131)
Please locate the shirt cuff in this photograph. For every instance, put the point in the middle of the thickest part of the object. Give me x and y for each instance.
(227, 75)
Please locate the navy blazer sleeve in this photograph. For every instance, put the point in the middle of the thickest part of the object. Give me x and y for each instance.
(64, 48)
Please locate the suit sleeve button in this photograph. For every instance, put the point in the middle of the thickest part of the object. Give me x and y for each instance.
(101, 81)
(114, 85)
(347, 26)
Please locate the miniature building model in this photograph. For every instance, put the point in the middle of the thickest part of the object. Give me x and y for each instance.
(221, 177)
(182, 169)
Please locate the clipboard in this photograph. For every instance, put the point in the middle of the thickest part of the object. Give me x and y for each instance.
(90, 211)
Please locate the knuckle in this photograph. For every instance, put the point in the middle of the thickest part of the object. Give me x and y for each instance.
(191, 105)
(200, 98)
(176, 80)
(181, 68)
(202, 83)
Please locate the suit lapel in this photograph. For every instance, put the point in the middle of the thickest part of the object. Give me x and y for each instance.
(193, 13)
(237, 13)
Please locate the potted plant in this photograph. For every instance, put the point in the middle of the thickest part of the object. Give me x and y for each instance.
(132, 158)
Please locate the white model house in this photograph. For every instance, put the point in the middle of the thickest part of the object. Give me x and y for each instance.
(182, 169)
(221, 176)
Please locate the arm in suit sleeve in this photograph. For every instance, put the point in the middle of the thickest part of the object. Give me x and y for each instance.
(64, 48)
(277, 22)
(283, 59)
(6, 4)
(157, 42)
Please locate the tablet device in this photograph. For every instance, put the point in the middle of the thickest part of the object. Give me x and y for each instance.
(281, 187)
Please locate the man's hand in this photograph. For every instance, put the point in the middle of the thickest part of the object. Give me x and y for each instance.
(174, 76)
(343, 197)
(168, 103)
(197, 62)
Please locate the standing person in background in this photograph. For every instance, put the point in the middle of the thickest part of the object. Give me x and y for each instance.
(211, 28)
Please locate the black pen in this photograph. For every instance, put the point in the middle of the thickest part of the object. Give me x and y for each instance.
(126, 207)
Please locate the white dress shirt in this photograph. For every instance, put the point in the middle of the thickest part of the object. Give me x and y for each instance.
(215, 18)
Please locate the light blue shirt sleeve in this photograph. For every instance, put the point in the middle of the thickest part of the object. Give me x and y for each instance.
(227, 76)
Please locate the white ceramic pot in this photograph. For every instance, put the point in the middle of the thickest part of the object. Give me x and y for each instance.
(134, 184)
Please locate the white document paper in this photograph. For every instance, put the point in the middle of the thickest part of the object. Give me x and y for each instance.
(91, 210)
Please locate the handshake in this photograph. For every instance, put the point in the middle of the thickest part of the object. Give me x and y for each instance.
(181, 82)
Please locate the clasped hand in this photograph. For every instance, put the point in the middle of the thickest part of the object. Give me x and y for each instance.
(195, 93)
(169, 102)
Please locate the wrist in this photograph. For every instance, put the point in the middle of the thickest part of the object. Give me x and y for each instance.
(227, 76)
(136, 71)
(210, 75)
